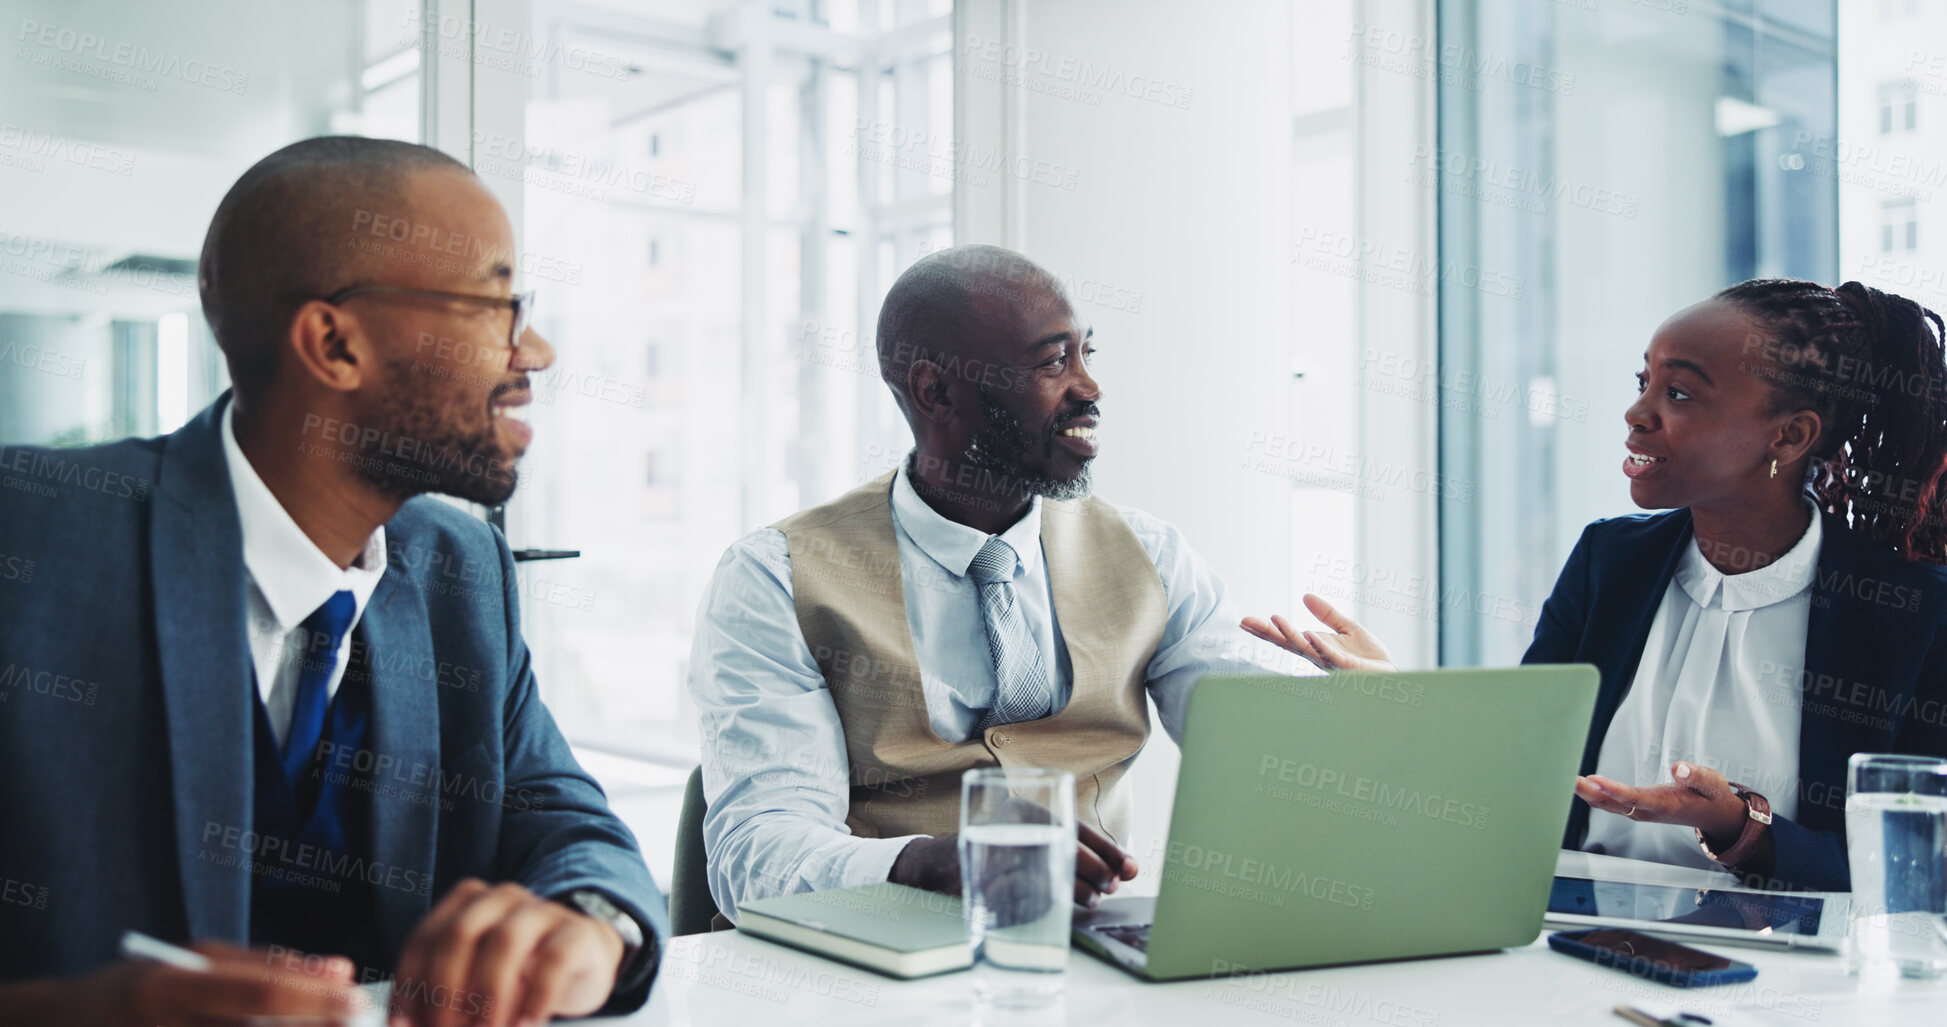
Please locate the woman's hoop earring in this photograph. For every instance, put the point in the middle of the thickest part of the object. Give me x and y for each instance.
(1774, 468)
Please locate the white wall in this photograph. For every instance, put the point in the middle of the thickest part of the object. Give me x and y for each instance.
(1187, 207)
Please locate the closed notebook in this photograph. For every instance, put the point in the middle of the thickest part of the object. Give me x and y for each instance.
(891, 928)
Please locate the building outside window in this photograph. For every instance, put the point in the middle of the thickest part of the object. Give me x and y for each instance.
(1892, 217)
(1899, 106)
(1899, 225)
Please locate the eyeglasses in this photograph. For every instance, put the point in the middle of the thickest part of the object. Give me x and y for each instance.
(522, 304)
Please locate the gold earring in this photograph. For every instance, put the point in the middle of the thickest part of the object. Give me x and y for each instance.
(1774, 468)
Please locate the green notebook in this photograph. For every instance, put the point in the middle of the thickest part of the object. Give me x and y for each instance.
(891, 928)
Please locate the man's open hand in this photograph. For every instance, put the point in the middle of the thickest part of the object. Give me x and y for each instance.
(501, 955)
(1349, 646)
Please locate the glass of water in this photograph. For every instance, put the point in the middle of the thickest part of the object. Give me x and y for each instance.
(1017, 873)
(1896, 839)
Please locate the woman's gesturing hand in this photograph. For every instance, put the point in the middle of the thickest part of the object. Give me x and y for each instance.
(1347, 647)
(1699, 797)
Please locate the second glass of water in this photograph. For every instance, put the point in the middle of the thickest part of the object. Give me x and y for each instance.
(1017, 872)
(1896, 841)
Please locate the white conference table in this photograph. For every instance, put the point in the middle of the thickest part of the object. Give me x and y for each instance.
(735, 980)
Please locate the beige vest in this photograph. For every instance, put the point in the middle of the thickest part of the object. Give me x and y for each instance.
(851, 604)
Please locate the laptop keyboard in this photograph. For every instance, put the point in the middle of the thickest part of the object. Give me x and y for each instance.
(1136, 936)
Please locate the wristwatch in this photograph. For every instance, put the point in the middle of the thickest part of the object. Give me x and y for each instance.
(597, 905)
(1759, 810)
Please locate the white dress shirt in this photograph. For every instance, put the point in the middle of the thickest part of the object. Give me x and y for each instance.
(775, 770)
(1718, 686)
(290, 577)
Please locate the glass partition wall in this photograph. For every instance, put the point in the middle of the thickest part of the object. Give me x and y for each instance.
(1619, 162)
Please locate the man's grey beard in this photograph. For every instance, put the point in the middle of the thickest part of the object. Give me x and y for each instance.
(1002, 449)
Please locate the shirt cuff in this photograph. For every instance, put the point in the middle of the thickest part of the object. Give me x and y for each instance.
(872, 862)
(639, 965)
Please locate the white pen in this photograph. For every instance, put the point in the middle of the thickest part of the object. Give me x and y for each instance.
(136, 945)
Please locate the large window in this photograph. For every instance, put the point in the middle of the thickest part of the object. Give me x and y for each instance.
(121, 125)
(714, 200)
(713, 195)
(1620, 162)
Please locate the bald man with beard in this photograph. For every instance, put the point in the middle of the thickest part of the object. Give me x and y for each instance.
(289, 716)
(977, 607)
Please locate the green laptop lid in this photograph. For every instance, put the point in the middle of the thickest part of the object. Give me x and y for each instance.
(1356, 817)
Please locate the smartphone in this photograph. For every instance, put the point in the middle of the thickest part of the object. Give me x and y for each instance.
(1664, 962)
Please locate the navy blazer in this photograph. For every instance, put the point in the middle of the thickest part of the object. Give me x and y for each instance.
(127, 706)
(1875, 676)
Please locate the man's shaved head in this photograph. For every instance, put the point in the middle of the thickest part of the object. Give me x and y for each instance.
(281, 237)
(988, 362)
(949, 302)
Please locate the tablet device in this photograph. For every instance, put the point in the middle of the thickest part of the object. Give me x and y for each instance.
(1765, 919)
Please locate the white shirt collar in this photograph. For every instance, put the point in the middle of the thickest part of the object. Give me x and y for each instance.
(294, 576)
(1775, 582)
(953, 545)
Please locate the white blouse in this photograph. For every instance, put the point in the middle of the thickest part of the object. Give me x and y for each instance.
(1718, 686)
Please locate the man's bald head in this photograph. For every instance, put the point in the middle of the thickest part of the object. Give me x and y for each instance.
(989, 364)
(955, 303)
(281, 238)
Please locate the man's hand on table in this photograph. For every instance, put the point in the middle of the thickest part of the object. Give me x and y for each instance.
(933, 863)
(503, 956)
(240, 986)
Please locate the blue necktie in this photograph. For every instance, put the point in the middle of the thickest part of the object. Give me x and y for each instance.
(324, 630)
(1020, 674)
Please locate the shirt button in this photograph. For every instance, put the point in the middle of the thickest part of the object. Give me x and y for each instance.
(998, 739)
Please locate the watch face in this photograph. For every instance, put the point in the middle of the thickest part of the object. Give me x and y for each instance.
(597, 905)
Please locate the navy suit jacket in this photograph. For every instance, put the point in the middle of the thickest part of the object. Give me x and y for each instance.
(127, 708)
(1875, 676)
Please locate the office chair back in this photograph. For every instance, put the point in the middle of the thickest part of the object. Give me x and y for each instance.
(691, 909)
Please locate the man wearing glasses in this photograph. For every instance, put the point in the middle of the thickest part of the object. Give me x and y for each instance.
(260, 693)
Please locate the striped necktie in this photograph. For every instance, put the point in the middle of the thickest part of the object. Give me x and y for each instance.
(1021, 675)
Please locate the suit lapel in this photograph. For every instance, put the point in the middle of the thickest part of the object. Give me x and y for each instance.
(405, 730)
(1834, 628)
(202, 643)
